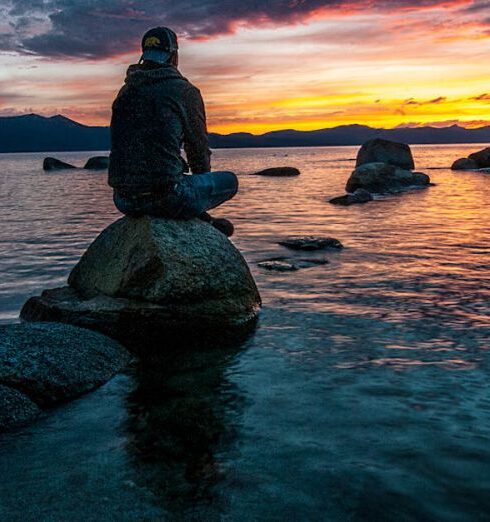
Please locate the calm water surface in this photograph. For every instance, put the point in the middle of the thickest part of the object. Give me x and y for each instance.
(362, 395)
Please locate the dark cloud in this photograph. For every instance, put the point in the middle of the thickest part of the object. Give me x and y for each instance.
(101, 28)
(481, 97)
(435, 101)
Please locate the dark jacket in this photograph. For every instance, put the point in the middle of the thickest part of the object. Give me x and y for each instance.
(154, 114)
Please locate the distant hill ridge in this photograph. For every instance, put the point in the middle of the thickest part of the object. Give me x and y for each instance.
(34, 133)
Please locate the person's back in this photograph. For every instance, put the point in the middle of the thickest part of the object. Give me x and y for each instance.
(156, 112)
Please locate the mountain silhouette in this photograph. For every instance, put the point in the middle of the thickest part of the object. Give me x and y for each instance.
(34, 133)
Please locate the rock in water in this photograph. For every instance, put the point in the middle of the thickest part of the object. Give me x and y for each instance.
(52, 362)
(464, 164)
(56, 164)
(278, 265)
(481, 158)
(383, 178)
(278, 172)
(97, 163)
(359, 196)
(16, 409)
(154, 275)
(378, 150)
(311, 243)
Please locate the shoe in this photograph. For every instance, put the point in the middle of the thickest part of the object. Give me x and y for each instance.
(225, 226)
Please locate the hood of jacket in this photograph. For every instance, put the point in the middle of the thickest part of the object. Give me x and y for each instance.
(136, 74)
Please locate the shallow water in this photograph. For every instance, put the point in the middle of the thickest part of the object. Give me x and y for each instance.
(362, 395)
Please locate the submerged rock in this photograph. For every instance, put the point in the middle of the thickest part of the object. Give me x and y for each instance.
(97, 163)
(278, 265)
(383, 178)
(154, 275)
(279, 171)
(56, 164)
(464, 164)
(359, 196)
(51, 363)
(311, 243)
(378, 150)
(16, 409)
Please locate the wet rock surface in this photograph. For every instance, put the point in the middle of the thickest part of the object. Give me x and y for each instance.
(278, 172)
(56, 164)
(51, 363)
(384, 151)
(311, 243)
(358, 197)
(97, 163)
(150, 274)
(16, 409)
(382, 178)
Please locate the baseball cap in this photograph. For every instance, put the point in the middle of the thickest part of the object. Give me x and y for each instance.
(158, 44)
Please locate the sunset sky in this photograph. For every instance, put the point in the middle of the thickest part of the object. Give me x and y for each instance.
(261, 66)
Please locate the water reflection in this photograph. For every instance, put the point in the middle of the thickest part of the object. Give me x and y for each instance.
(182, 409)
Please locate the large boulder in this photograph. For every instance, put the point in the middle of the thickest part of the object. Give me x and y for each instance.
(151, 275)
(378, 150)
(56, 164)
(51, 363)
(16, 409)
(481, 158)
(278, 172)
(383, 178)
(464, 164)
(97, 163)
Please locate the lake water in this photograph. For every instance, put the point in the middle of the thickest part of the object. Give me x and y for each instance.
(363, 394)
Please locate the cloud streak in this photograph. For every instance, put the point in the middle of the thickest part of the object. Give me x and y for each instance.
(103, 28)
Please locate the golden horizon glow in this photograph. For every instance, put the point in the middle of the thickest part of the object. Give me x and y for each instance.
(409, 67)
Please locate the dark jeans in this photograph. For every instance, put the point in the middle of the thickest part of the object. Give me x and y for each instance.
(189, 198)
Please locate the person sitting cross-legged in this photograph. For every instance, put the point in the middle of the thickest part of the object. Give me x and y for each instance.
(156, 112)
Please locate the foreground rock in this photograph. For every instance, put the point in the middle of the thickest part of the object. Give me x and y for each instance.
(311, 243)
(51, 363)
(56, 164)
(383, 151)
(151, 276)
(278, 172)
(358, 197)
(383, 178)
(16, 409)
(97, 163)
(477, 160)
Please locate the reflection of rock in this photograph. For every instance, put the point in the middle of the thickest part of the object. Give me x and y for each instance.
(154, 274)
(359, 196)
(383, 178)
(311, 243)
(97, 163)
(182, 411)
(278, 171)
(56, 164)
(16, 408)
(53, 362)
(477, 160)
(378, 150)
